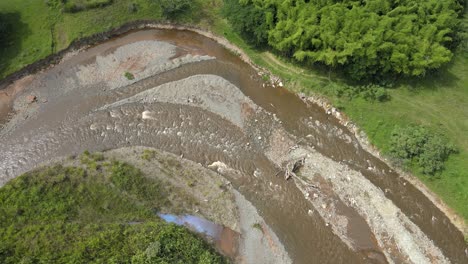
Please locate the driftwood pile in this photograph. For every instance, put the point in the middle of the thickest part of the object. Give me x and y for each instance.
(293, 167)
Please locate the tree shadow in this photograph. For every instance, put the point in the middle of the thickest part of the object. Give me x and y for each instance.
(12, 31)
(432, 80)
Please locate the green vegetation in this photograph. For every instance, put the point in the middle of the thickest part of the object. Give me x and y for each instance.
(248, 20)
(80, 5)
(435, 102)
(172, 8)
(418, 144)
(258, 226)
(129, 76)
(370, 92)
(148, 155)
(80, 215)
(367, 39)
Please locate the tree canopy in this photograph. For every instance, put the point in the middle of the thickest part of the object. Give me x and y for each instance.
(416, 144)
(364, 37)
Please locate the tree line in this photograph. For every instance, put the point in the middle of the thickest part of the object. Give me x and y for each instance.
(365, 38)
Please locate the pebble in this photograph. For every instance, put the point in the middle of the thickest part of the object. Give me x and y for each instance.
(31, 99)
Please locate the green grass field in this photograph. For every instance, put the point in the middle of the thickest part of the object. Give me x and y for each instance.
(439, 101)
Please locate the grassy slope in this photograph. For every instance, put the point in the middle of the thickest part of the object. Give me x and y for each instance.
(437, 101)
(99, 212)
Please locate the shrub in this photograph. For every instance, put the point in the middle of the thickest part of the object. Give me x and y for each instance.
(172, 8)
(416, 144)
(129, 76)
(176, 246)
(148, 154)
(73, 6)
(133, 7)
(371, 92)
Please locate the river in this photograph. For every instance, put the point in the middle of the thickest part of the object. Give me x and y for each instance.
(193, 97)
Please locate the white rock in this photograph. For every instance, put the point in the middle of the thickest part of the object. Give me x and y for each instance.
(146, 115)
(256, 173)
(219, 166)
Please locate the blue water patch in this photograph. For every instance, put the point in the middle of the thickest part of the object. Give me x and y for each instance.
(197, 224)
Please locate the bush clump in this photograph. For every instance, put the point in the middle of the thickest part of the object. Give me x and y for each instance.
(73, 6)
(172, 8)
(129, 76)
(416, 144)
(370, 92)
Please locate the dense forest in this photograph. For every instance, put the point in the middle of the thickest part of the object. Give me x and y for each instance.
(365, 38)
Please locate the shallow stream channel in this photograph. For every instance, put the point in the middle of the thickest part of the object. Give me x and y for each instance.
(185, 94)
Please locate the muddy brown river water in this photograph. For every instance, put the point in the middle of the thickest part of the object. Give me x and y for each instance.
(192, 97)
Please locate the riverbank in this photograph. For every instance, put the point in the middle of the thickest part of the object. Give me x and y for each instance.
(323, 102)
(412, 101)
(236, 121)
(376, 119)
